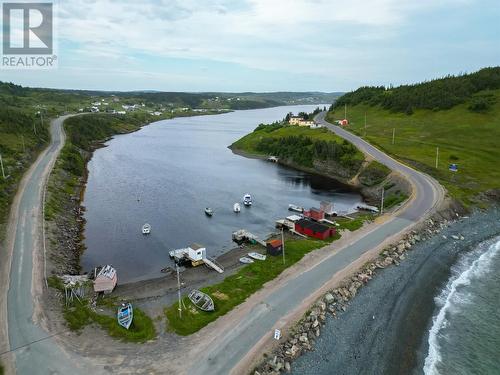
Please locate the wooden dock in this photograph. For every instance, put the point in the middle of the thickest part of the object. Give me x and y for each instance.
(243, 235)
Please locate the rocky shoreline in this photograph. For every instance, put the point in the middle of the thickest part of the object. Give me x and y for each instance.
(303, 335)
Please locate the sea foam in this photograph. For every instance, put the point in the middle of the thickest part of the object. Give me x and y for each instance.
(453, 296)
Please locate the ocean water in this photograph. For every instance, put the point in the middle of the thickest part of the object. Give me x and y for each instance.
(465, 334)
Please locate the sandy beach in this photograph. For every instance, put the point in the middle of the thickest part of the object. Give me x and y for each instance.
(385, 328)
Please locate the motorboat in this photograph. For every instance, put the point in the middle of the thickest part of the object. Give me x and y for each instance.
(257, 256)
(201, 300)
(125, 315)
(246, 260)
(247, 200)
(209, 211)
(292, 207)
(236, 207)
(146, 229)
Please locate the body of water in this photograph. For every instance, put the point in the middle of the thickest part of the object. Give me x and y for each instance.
(465, 334)
(167, 173)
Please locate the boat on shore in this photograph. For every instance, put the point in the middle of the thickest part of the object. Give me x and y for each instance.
(292, 207)
(146, 229)
(236, 207)
(247, 200)
(125, 315)
(209, 211)
(246, 260)
(257, 256)
(201, 300)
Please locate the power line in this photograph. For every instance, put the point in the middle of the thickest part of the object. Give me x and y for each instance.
(33, 342)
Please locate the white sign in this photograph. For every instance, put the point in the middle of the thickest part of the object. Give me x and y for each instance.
(277, 334)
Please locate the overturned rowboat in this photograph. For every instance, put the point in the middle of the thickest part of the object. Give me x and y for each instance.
(246, 260)
(201, 300)
(257, 256)
(125, 315)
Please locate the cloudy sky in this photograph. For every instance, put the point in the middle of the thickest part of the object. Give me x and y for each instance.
(265, 45)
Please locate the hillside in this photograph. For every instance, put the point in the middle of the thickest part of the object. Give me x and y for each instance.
(466, 134)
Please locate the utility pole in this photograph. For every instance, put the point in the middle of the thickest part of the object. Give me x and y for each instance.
(1, 164)
(382, 201)
(345, 111)
(179, 289)
(365, 124)
(34, 126)
(437, 156)
(22, 139)
(283, 245)
(393, 134)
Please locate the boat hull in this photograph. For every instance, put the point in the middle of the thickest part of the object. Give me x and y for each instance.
(125, 315)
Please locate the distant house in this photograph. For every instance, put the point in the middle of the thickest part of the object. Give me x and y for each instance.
(315, 214)
(295, 120)
(94, 109)
(313, 229)
(105, 280)
(327, 208)
(343, 122)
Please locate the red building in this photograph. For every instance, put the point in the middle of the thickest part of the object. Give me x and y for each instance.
(313, 229)
(343, 122)
(274, 247)
(315, 214)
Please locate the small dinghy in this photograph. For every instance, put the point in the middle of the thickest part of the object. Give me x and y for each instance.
(125, 315)
(257, 256)
(209, 211)
(201, 300)
(246, 260)
(146, 229)
(236, 207)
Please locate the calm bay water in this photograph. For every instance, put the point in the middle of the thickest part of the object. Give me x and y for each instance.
(168, 172)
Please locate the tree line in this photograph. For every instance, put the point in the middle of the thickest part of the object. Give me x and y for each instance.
(437, 94)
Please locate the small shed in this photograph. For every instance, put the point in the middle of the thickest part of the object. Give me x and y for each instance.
(343, 122)
(274, 247)
(313, 229)
(315, 214)
(196, 252)
(105, 280)
(327, 208)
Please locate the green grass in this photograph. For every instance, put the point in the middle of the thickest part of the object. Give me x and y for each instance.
(79, 315)
(373, 174)
(249, 142)
(353, 224)
(466, 138)
(236, 288)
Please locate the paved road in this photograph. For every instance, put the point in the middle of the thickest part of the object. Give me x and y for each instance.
(33, 352)
(230, 347)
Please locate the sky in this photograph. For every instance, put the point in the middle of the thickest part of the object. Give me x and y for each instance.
(265, 45)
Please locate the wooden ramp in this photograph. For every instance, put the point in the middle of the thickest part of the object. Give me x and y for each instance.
(213, 264)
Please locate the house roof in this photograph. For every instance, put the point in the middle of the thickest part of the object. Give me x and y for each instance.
(274, 243)
(316, 227)
(107, 271)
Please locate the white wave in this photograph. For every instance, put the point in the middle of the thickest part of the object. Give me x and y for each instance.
(450, 298)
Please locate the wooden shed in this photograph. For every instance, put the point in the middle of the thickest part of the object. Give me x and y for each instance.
(105, 280)
(315, 214)
(274, 247)
(313, 229)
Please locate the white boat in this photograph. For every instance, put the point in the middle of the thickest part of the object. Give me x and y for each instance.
(201, 300)
(257, 256)
(247, 200)
(292, 207)
(246, 260)
(146, 229)
(236, 207)
(209, 211)
(125, 315)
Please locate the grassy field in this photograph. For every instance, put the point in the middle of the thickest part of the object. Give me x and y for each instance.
(249, 142)
(236, 288)
(466, 138)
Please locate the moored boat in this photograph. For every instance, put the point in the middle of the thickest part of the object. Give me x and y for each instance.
(209, 211)
(257, 256)
(246, 260)
(236, 207)
(201, 300)
(125, 315)
(292, 207)
(146, 229)
(247, 200)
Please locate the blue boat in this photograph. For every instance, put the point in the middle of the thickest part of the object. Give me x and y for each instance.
(125, 315)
